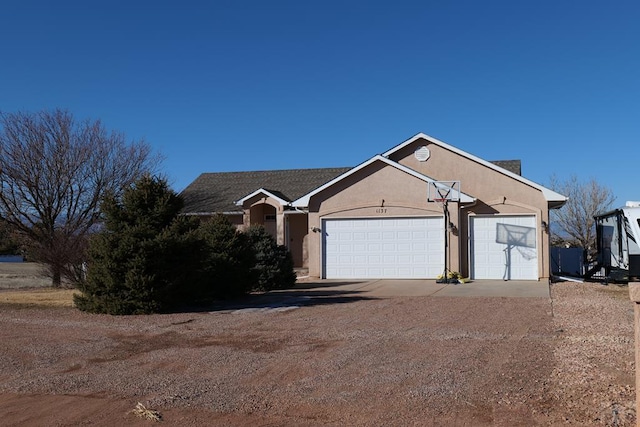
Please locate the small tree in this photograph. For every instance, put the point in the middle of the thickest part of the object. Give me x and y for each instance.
(228, 261)
(140, 261)
(574, 223)
(54, 170)
(150, 259)
(274, 264)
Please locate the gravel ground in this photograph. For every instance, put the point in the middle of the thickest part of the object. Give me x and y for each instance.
(594, 375)
(329, 360)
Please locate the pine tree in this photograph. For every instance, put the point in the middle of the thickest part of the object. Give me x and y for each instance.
(148, 258)
(229, 260)
(274, 264)
(140, 261)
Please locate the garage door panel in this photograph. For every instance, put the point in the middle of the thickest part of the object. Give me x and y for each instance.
(374, 271)
(383, 248)
(419, 259)
(504, 247)
(404, 259)
(404, 247)
(404, 235)
(389, 260)
(374, 259)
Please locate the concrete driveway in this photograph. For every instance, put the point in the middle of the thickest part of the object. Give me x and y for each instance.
(411, 288)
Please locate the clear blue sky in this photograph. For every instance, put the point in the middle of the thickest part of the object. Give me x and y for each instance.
(254, 85)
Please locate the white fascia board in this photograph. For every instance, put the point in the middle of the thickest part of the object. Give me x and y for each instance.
(409, 141)
(265, 192)
(295, 212)
(304, 200)
(212, 213)
(549, 195)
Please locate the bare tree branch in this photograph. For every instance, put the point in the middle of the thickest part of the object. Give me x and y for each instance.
(54, 171)
(574, 223)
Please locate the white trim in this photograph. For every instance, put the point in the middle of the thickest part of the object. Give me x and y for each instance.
(549, 195)
(212, 213)
(361, 267)
(263, 191)
(294, 212)
(304, 200)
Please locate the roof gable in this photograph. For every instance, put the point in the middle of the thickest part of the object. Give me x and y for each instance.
(551, 196)
(268, 193)
(304, 200)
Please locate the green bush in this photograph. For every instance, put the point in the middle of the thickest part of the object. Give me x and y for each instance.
(273, 263)
(141, 260)
(226, 264)
(147, 258)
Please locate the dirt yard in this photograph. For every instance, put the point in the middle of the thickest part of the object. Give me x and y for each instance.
(328, 359)
(22, 274)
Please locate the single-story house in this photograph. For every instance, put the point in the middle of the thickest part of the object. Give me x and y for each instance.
(382, 219)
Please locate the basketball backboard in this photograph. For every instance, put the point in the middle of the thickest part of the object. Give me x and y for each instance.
(440, 191)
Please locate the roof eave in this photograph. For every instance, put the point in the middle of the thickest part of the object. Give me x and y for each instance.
(304, 200)
(212, 213)
(263, 191)
(550, 196)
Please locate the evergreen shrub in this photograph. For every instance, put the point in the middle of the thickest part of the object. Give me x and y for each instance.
(273, 263)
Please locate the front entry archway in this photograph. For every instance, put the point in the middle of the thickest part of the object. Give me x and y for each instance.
(265, 215)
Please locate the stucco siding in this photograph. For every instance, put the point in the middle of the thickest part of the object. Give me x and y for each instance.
(297, 230)
(476, 179)
(377, 186)
(380, 191)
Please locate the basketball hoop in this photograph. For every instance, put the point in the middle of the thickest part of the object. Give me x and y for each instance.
(443, 192)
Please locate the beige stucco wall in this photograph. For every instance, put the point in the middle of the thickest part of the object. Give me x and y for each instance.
(380, 190)
(260, 205)
(476, 179)
(496, 193)
(290, 228)
(296, 240)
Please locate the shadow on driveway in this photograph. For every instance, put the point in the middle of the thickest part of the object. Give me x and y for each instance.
(286, 300)
(325, 292)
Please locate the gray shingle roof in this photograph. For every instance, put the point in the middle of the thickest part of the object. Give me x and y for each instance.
(218, 192)
(514, 166)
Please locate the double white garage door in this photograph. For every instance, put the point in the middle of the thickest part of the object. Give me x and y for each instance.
(394, 248)
(501, 247)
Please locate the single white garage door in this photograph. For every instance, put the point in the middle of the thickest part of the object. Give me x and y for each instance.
(393, 248)
(504, 247)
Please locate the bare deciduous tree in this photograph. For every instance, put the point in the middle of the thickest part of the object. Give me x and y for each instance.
(54, 171)
(8, 244)
(574, 223)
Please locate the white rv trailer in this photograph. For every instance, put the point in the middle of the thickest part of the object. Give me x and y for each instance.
(618, 243)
